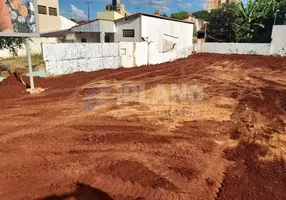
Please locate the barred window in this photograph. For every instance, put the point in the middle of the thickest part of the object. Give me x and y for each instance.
(42, 9)
(53, 11)
(129, 33)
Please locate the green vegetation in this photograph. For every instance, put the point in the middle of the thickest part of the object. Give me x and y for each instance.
(203, 15)
(222, 23)
(11, 43)
(180, 15)
(237, 22)
(17, 62)
(164, 15)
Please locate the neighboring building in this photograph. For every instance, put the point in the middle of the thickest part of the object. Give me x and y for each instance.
(116, 6)
(199, 24)
(66, 23)
(49, 18)
(214, 4)
(109, 15)
(113, 11)
(164, 32)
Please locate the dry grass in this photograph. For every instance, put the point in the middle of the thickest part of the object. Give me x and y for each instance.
(22, 62)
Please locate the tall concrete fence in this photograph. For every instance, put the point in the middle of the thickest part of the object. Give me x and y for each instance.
(67, 58)
(237, 48)
(64, 58)
(278, 43)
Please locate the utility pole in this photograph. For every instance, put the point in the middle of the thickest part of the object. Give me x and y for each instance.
(277, 10)
(88, 2)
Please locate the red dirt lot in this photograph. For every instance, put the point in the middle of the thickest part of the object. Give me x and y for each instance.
(76, 141)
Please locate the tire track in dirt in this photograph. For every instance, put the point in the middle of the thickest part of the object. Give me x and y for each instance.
(130, 156)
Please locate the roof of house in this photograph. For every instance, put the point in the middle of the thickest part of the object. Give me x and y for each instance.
(60, 32)
(150, 15)
(90, 21)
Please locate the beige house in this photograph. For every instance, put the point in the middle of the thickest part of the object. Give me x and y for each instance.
(213, 4)
(49, 17)
(113, 11)
(109, 15)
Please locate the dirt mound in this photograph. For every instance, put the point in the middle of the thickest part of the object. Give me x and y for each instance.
(11, 87)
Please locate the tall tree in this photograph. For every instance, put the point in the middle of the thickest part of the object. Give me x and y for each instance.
(180, 15)
(252, 19)
(203, 15)
(222, 21)
(249, 22)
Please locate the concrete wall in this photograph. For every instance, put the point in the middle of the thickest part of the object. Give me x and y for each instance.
(278, 43)
(164, 32)
(144, 53)
(141, 53)
(237, 48)
(133, 23)
(126, 50)
(157, 57)
(64, 58)
(35, 46)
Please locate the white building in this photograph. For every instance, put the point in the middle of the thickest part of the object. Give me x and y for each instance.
(164, 32)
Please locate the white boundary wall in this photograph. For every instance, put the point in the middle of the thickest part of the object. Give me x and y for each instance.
(144, 53)
(237, 48)
(67, 58)
(278, 43)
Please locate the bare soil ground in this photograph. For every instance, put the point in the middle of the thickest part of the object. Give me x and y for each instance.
(73, 142)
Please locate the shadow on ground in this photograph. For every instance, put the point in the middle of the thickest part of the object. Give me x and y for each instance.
(82, 192)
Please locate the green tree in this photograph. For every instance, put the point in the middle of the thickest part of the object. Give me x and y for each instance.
(180, 15)
(12, 44)
(164, 15)
(265, 33)
(203, 15)
(250, 22)
(74, 20)
(222, 21)
(252, 19)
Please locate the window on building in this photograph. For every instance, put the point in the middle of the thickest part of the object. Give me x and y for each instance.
(42, 9)
(83, 40)
(129, 33)
(53, 11)
(107, 38)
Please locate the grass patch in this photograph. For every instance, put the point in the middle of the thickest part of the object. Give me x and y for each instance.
(37, 59)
